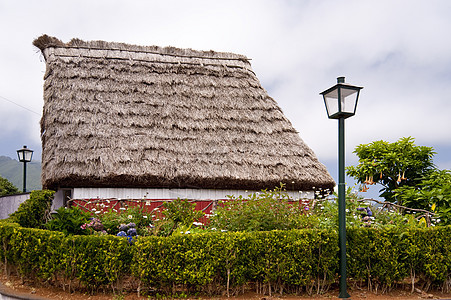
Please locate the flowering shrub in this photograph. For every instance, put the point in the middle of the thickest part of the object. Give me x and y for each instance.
(69, 220)
(175, 214)
(115, 221)
(268, 210)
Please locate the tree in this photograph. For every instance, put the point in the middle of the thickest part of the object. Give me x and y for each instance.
(7, 188)
(392, 165)
(433, 192)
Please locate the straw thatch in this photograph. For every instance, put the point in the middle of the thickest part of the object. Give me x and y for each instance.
(118, 115)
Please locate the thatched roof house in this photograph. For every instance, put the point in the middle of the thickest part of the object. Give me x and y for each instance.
(118, 115)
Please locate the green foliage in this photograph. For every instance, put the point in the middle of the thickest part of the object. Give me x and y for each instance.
(392, 165)
(386, 256)
(209, 262)
(433, 190)
(34, 212)
(205, 261)
(111, 220)
(268, 210)
(177, 213)
(7, 188)
(94, 261)
(68, 220)
(359, 213)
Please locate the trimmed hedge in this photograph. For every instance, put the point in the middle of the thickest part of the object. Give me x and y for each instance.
(93, 261)
(386, 256)
(292, 260)
(279, 258)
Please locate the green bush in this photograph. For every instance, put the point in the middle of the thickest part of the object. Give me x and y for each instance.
(268, 210)
(112, 220)
(176, 214)
(292, 260)
(275, 258)
(94, 261)
(68, 220)
(432, 192)
(7, 188)
(34, 212)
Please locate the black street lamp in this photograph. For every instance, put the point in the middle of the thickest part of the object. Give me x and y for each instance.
(341, 103)
(25, 156)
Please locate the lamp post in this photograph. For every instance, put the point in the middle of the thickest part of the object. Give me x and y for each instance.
(25, 156)
(341, 103)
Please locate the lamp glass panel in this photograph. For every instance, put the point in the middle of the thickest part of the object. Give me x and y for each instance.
(28, 155)
(331, 104)
(348, 100)
(20, 155)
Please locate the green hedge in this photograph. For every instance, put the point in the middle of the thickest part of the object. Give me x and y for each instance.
(93, 261)
(387, 256)
(210, 262)
(279, 258)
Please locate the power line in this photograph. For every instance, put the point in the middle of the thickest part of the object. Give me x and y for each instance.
(20, 105)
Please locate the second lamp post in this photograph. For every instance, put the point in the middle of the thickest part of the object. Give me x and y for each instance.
(341, 103)
(25, 156)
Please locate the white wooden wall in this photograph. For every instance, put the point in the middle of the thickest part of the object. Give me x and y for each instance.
(160, 194)
(190, 194)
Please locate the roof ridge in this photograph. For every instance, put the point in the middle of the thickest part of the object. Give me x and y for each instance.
(45, 41)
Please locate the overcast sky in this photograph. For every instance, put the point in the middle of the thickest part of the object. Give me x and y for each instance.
(399, 51)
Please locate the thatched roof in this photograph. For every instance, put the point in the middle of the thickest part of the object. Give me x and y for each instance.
(118, 115)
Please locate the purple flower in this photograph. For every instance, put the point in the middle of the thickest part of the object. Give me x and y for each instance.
(123, 227)
(369, 212)
(132, 232)
(131, 225)
(360, 208)
(121, 233)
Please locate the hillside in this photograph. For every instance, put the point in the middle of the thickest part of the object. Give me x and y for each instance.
(12, 170)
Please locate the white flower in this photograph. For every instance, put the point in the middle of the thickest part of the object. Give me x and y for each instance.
(122, 208)
(197, 224)
(93, 209)
(347, 210)
(145, 217)
(98, 212)
(187, 232)
(130, 216)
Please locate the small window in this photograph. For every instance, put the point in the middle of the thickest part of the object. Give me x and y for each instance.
(67, 195)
